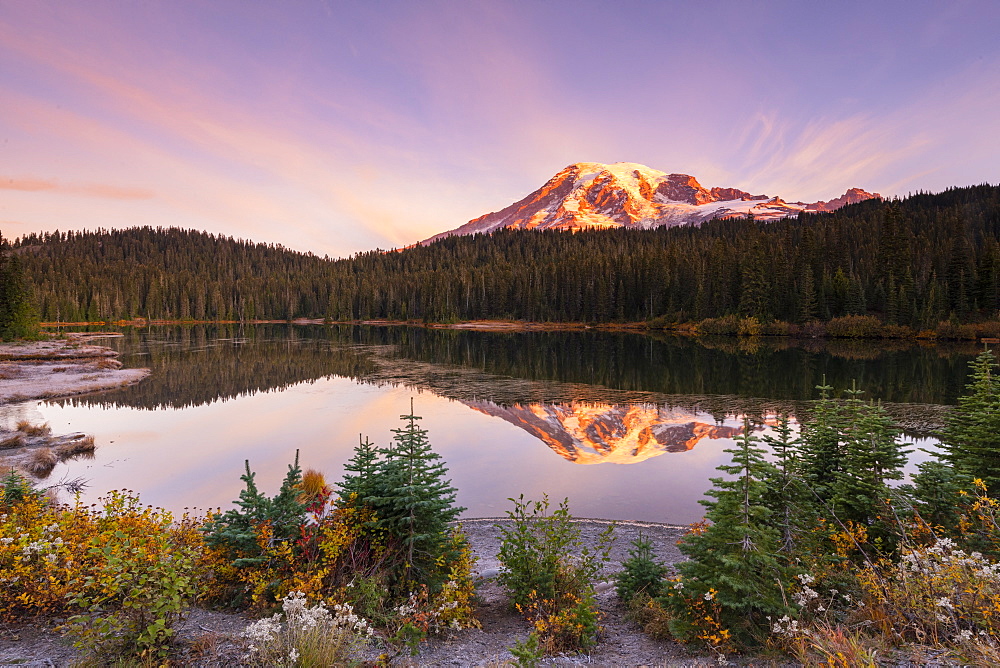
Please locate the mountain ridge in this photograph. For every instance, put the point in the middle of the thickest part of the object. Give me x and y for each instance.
(625, 194)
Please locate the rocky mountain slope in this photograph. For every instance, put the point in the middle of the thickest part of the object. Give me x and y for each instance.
(626, 194)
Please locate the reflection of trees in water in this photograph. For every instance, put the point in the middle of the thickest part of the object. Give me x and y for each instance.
(201, 364)
(778, 369)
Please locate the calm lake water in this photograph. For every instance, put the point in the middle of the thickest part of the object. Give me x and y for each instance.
(627, 426)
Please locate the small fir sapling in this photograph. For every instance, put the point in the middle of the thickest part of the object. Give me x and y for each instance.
(642, 573)
(235, 530)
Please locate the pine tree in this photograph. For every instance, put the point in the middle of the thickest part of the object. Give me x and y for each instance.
(414, 502)
(235, 531)
(17, 317)
(821, 448)
(785, 496)
(937, 496)
(360, 472)
(871, 457)
(971, 437)
(641, 572)
(735, 560)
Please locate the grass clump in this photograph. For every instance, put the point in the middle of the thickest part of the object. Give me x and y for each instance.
(11, 441)
(25, 427)
(42, 461)
(76, 448)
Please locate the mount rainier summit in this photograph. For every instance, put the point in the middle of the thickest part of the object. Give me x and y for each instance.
(625, 194)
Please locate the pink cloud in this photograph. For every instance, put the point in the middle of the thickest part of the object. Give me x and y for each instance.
(29, 184)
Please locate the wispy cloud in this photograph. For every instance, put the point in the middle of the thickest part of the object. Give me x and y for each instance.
(106, 191)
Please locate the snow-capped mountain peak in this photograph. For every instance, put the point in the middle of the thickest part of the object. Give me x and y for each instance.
(627, 194)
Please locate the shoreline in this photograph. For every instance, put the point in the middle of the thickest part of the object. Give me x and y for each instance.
(59, 368)
(968, 332)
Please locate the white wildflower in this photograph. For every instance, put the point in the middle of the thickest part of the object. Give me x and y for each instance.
(709, 595)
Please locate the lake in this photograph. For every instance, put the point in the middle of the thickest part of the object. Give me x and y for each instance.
(628, 426)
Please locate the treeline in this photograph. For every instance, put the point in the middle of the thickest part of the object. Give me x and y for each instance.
(169, 274)
(914, 263)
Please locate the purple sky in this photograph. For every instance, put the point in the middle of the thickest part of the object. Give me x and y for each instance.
(338, 127)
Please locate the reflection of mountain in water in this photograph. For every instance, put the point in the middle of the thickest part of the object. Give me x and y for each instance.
(603, 433)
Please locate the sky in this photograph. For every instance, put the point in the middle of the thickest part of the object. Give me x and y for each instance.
(338, 127)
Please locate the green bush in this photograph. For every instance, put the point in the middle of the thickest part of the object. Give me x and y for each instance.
(549, 573)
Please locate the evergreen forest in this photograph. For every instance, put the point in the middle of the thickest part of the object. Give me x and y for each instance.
(914, 263)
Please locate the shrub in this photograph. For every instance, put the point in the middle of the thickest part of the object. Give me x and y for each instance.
(937, 593)
(549, 573)
(855, 327)
(748, 327)
(778, 328)
(130, 571)
(141, 579)
(954, 331)
(724, 326)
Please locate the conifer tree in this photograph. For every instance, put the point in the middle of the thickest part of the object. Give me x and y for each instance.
(235, 531)
(360, 473)
(735, 560)
(17, 318)
(871, 457)
(785, 496)
(821, 448)
(971, 437)
(414, 502)
(936, 492)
